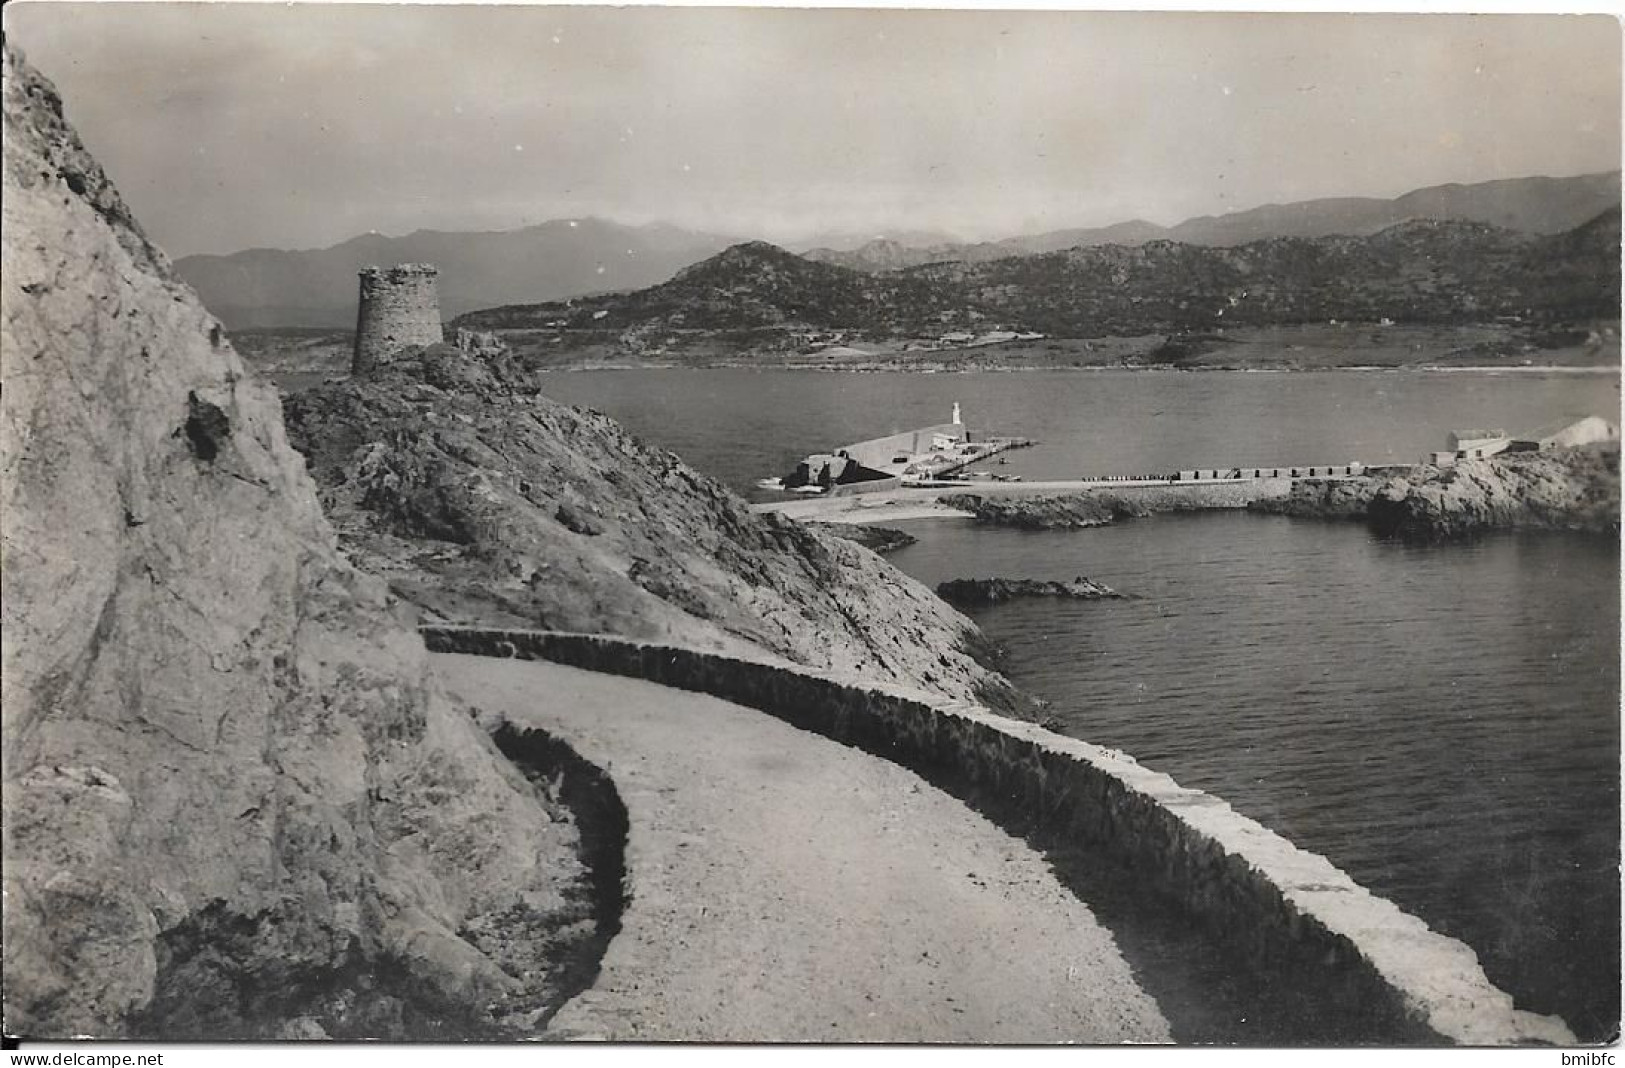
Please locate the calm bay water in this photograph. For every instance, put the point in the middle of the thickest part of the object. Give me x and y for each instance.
(1442, 722)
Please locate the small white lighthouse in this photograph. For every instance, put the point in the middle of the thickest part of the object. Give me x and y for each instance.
(956, 413)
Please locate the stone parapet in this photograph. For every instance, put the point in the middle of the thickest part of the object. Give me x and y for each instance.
(1278, 905)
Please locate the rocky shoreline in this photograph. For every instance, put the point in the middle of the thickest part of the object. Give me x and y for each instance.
(1574, 489)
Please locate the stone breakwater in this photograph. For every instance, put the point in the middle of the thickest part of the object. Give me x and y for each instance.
(1097, 507)
(1279, 906)
(1316, 498)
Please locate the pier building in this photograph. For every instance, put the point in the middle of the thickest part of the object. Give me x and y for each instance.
(1477, 444)
(1480, 444)
(884, 462)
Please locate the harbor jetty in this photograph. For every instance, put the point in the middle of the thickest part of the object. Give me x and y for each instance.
(915, 490)
(903, 476)
(948, 499)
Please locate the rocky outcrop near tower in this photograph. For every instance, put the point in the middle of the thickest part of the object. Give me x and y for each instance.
(398, 308)
(486, 502)
(233, 805)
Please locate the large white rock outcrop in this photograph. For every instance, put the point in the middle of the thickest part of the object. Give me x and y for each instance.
(233, 805)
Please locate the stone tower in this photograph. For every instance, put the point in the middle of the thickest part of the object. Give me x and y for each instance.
(398, 309)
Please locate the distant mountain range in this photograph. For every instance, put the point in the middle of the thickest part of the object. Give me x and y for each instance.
(1419, 271)
(1528, 205)
(563, 258)
(575, 258)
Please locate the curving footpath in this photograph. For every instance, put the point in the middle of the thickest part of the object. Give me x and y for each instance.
(786, 888)
(1368, 971)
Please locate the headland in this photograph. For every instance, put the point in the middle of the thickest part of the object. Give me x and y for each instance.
(243, 803)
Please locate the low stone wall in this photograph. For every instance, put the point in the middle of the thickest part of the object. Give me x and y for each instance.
(1279, 905)
(1323, 471)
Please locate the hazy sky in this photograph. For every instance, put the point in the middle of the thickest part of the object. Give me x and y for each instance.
(234, 125)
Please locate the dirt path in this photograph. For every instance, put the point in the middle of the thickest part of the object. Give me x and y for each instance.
(786, 888)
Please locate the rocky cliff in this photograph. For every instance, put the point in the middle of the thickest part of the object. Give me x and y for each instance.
(1564, 489)
(233, 805)
(483, 501)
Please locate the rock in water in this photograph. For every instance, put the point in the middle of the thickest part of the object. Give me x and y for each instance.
(977, 592)
(880, 540)
(233, 805)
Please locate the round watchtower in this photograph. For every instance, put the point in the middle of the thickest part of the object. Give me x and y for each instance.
(398, 308)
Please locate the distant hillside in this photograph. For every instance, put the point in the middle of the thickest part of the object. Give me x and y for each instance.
(885, 254)
(1417, 272)
(1528, 205)
(563, 258)
(1576, 273)
(750, 287)
(889, 254)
